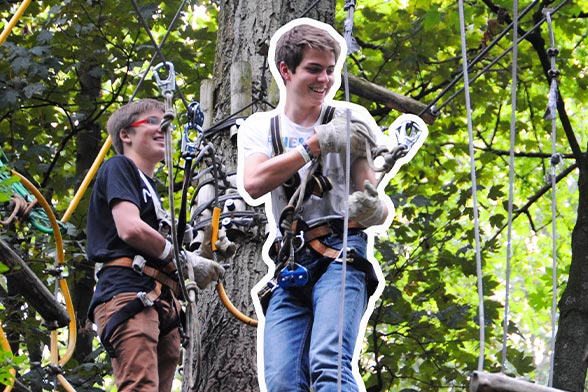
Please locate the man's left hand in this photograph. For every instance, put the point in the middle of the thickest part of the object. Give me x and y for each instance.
(366, 208)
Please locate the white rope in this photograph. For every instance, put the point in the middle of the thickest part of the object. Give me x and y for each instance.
(555, 159)
(513, 119)
(350, 6)
(474, 184)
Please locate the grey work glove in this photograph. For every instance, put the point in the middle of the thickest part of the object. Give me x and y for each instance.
(362, 138)
(366, 208)
(205, 270)
(333, 136)
(225, 249)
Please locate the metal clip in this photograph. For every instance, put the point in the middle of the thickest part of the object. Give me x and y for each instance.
(139, 263)
(298, 242)
(144, 299)
(168, 85)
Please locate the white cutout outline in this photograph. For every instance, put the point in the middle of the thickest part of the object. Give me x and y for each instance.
(266, 199)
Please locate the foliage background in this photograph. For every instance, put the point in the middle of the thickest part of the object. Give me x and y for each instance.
(68, 64)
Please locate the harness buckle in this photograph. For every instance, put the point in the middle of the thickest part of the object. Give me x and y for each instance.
(139, 263)
(144, 299)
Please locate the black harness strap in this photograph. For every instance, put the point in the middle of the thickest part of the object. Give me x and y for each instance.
(123, 314)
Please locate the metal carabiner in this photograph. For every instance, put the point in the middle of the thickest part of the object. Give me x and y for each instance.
(168, 85)
(298, 242)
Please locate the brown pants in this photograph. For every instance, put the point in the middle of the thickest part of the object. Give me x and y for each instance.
(140, 347)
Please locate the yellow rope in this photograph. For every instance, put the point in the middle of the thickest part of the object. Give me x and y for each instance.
(13, 21)
(55, 360)
(6, 347)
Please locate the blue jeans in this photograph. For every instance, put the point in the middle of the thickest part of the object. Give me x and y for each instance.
(301, 338)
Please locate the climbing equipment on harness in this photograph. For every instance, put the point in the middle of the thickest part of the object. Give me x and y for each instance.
(317, 184)
(162, 277)
(289, 273)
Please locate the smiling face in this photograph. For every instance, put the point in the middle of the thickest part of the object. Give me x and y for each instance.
(143, 138)
(312, 79)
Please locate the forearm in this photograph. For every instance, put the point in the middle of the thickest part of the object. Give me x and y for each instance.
(263, 174)
(136, 232)
(146, 240)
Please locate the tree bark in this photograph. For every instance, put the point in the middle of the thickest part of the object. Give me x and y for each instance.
(571, 346)
(229, 347)
(88, 144)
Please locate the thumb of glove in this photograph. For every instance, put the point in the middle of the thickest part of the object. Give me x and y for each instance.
(370, 188)
(225, 248)
(365, 207)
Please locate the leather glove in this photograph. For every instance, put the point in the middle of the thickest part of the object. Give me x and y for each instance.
(225, 249)
(205, 270)
(362, 138)
(333, 136)
(366, 208)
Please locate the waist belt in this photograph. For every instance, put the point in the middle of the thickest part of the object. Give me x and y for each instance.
(312, 238)
(160, 276)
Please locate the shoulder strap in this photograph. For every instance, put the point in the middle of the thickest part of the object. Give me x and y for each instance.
(277, 144)
(293, 182)
(328, 115)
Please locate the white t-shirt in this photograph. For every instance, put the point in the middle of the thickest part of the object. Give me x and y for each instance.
(255, 137)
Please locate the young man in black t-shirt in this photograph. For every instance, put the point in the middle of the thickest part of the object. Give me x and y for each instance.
(137, 314)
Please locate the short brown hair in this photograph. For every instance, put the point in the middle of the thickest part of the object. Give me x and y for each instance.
(290, 47)
(126, 115)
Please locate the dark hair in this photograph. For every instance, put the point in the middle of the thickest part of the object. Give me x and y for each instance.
(126, 115)
(290, 47)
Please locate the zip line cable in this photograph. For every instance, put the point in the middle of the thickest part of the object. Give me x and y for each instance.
(511, 164)
(486, 68)
(476, 59)
(158, 47)
(474, 183)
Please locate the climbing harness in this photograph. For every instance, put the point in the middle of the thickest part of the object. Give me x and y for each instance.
(287, 272)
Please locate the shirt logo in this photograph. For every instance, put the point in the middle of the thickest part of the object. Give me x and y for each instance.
(292, 142)
(146, 195)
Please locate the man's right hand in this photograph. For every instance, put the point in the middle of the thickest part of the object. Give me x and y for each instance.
(333, 136)
(205, 270)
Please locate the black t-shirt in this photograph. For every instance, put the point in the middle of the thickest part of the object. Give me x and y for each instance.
(118, 180)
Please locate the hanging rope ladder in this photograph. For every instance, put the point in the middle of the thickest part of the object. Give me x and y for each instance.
(481, 381)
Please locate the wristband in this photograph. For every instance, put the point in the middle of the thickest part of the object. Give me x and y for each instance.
(167, 253)
(305, 151)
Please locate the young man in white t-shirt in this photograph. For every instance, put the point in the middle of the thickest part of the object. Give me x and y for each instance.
(301, 332)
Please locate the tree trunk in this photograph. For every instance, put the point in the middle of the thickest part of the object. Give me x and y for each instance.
(571, 348)
(88, 144)
(229, 346)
